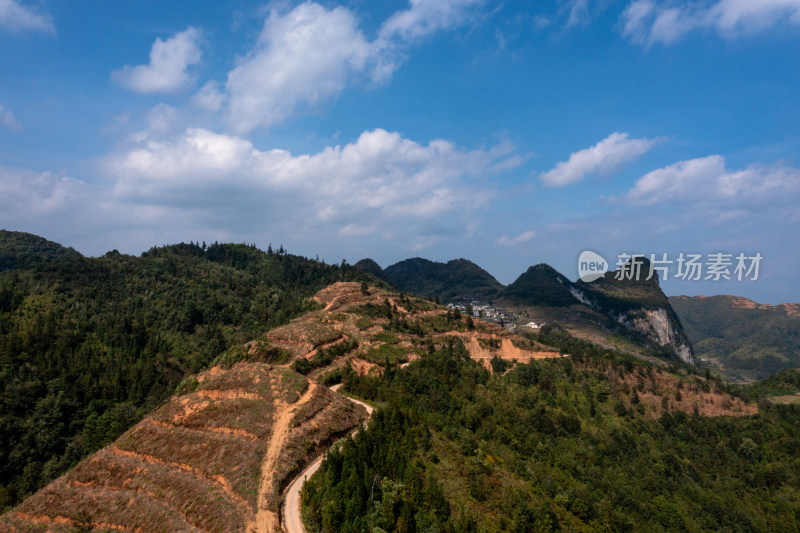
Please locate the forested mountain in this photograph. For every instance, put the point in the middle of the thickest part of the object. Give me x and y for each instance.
(561, 445)
(476, 429)
(218, 453)
(369, 266)
(210, 367)
(540, 285)
(88, 345)
(19, 249)
(745, 339)
(455, 280)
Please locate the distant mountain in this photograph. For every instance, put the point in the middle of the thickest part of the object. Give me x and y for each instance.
(18, 249)
(541, 285)
(368, 266)
(636, 310)
(638, 304)
(455, 280)
(745, 338)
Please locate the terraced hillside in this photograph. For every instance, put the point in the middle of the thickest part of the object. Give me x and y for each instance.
(215, 459)
(219, 453)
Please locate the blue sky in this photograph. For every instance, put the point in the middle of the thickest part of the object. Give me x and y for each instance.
(509, 133)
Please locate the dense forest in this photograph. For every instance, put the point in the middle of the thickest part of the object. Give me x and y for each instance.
(89, 345)
(551, 445)
(750, 342)
(457, 279)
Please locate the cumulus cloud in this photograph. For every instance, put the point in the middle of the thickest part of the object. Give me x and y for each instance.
(302, 57)
(309, 54)
(15, 17)
(25, 194)
(707, 180)
(168, 70)
(381, 182)
(209, 97)
(7, 119)
(606, 156)
(648, 22)
(525, 236)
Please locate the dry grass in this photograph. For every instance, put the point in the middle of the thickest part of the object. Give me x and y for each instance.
(252, 417)
(253, 379)
(203, 505)
(192, 464)
(661, 391)
(232, 461)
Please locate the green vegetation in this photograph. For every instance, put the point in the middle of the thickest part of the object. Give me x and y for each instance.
(89, 345)
(553, 444)
(540, 285)
(603, 309)
(324, 356)
(784, 383)
(368, 266)
(388, 354)
(748, 342)
(455, 280)
(623, 295)
(20, 250)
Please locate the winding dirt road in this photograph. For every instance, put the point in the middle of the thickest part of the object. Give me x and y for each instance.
(291, 505)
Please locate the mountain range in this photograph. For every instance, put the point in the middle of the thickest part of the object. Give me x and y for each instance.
(223, 388)
(743, 339)
(602, 311)
(470, 423)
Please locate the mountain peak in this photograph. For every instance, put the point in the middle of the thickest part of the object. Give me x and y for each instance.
(369, 266)
(455, 280)
(541, 285)
(19, 250)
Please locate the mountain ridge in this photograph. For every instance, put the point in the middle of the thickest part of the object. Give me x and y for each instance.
(637, 306)
(466, 414)
(742, 338)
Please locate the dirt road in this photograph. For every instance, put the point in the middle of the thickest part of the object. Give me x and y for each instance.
(291, 506)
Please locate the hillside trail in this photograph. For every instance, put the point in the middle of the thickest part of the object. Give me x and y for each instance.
(291, 507)
(266, 520)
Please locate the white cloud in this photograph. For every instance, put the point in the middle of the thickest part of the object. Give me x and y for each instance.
(380, 183)
(161, 118)
(309, 54)
(648, 22)
(8, 120)
(209, 97)
(168, 68)
(425, 17)
(578, 12)
(525, 236)
(411, 26)
(302, 57)
(15, 17)
(606, 156)
(26, 194)
(707, 181)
